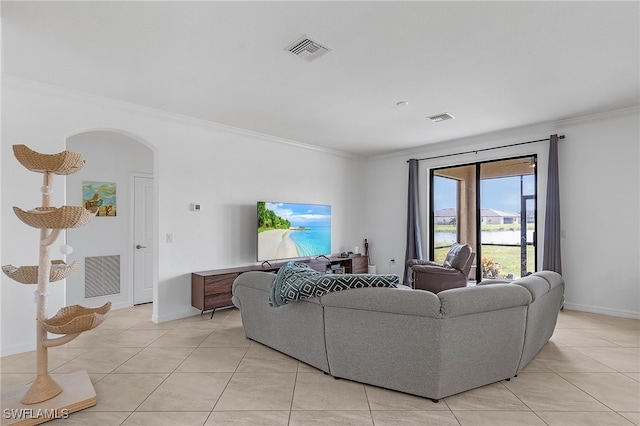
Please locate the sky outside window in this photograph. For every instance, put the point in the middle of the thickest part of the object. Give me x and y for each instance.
(497, 193)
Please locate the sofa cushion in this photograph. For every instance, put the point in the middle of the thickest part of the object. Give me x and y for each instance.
(536, 285)
(475, 299)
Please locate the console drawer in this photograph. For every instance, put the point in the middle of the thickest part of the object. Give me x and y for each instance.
(216, 284)
(212, 301)
(360, 264)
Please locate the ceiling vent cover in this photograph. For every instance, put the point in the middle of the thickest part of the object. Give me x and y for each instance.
(441, 117)
(307, 49)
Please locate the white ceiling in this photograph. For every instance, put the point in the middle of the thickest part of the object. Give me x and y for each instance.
(493, 65)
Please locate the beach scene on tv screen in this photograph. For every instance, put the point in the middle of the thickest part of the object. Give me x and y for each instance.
(290, 230)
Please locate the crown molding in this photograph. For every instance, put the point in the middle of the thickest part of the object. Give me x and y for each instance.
(63, 92)
(58, 91)
(478, 140)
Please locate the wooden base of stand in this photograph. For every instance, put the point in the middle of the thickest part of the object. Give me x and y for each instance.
(77, 394)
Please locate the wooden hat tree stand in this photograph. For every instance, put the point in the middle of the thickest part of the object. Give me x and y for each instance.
(46, 399)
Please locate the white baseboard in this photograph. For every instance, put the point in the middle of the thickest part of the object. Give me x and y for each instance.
(604, 311)
(184, 313)
(119, 305)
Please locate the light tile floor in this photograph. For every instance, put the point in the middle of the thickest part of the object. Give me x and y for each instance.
(198, 371)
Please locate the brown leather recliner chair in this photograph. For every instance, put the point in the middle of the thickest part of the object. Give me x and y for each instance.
(452, 273)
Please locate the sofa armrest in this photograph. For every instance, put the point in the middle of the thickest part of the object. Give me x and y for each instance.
(540, 283)
(414, 262)
(390, 300)
(491, 297)
(553, 278)
(494, 281)
(435, 270)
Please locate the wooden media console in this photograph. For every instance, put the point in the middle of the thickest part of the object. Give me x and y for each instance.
(212, 289)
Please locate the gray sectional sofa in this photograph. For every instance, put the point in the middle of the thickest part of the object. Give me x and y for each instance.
(413, 341)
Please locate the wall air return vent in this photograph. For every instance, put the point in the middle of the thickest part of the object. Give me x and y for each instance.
(101, 275)
(307, 49)
(441, 117)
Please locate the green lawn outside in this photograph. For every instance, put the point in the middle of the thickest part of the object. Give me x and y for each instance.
(507, 256)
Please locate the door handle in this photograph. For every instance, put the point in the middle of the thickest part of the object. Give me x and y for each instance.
(140, 247)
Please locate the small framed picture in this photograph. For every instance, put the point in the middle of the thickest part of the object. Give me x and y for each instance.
(100, 196)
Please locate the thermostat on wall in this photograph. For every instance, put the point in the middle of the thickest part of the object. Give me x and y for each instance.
(196, 207)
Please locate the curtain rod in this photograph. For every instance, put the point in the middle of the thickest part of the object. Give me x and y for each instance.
(484, 149)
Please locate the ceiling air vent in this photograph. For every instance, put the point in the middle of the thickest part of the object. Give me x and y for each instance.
(307, 49)
(441, 117)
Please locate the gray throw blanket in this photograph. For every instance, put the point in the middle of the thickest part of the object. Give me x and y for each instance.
(297, 281)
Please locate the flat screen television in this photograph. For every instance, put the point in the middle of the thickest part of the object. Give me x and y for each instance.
(293, 230)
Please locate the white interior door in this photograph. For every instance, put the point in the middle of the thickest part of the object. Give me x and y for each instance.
(144, 244)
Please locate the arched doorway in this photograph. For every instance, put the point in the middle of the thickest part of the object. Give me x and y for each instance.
(105, 249)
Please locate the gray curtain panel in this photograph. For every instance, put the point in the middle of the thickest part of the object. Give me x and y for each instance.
(551, 259)
(414, 249)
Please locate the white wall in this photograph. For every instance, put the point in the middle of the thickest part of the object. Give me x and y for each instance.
(109, 157)
(600, 192)
(599, 197)
(224, 169)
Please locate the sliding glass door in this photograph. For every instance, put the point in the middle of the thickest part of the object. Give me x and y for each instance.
(490, 206)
